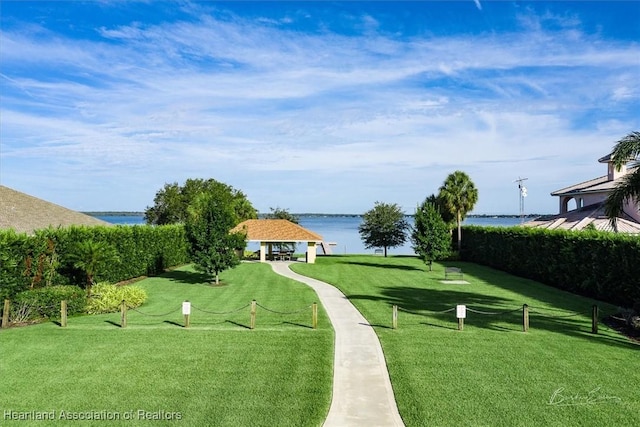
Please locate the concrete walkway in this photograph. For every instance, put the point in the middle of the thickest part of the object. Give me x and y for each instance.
(362, 393)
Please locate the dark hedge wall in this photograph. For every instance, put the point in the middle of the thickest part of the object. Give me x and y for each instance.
(605, 266)
(43, 259)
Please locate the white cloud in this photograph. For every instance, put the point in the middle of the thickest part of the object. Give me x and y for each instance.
(250, 102)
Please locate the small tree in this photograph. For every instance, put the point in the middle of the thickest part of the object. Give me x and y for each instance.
(91, 257)
(384, 226)
(431, 236)
(213, 249)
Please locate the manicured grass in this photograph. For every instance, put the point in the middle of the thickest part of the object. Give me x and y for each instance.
(215, 373)
(491, 373)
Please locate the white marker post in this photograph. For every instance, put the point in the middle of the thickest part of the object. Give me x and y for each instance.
(186, 311)
(461, 313)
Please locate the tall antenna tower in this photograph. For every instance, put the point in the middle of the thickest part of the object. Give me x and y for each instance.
(522, 191)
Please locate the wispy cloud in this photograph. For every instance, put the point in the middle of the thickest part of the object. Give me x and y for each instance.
(249, 102)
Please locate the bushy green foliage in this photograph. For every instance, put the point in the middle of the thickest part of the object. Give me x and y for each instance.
(45, 258)
(431, 236)
(212, 246)
(106, 298)
(11, 279)
(172, 202)
(384, 226)
(595, 264)
(45, 302)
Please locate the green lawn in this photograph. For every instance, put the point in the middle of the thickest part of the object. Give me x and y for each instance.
(217, 372)
(491, 373)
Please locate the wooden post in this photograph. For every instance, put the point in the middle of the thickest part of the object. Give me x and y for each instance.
(186, 311)
(594, 319)
(461, 313)
(123, 314)
(63, 313)
(394, 317)
(314, 315)
(525, 318)
(253, 315)
(5, 314)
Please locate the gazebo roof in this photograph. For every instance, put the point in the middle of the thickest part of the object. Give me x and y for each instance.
(25, 213)
(275, 230)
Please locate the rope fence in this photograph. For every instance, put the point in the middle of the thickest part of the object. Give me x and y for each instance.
(526, 310)
(17, 313)
(20, 312)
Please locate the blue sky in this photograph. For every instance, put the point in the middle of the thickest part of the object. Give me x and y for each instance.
(313, 106)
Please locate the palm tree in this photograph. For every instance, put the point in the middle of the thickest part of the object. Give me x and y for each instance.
(91, 257)
(459, 196)
(627, 149)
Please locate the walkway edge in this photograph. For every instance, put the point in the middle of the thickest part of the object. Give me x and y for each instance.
(362, 391)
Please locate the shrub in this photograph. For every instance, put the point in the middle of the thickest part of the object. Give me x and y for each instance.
(45, 302)
(106, 298)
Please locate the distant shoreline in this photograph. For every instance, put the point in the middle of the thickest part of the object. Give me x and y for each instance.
(308, 215)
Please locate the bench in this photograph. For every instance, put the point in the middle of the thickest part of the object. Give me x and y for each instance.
(378, 252)
(453, 271)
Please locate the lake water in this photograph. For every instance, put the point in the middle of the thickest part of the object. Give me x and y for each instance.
(341, 230)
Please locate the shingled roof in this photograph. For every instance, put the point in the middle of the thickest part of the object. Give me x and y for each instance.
(276, 230)
(579, 219)
(25, 213)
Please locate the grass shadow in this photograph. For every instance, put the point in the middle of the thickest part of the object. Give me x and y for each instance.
(171, 322)
(384, 266)
(111, 322)
(238, 324)
(188, 277)
(451, 328)
(298, 324)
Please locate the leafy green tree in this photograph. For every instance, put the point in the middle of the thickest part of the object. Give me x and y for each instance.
(384, 226)
(91, 257)
(212, 247)
(279, 213)
(440, 204)
(172, 202)
(431, 236)
(458, 195)
(627, 149)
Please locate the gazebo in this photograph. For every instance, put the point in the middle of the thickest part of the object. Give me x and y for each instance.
(271, 231)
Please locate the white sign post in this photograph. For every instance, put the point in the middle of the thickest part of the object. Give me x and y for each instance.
(186, 311)
(461, 314)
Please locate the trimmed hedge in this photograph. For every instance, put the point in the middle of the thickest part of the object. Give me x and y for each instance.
(600, 265)
(43, 259)
(45, 302)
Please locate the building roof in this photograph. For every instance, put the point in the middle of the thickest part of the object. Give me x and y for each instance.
(601, 184)
(25, 213)
(596, 185)
(579, 219)
(275, 230)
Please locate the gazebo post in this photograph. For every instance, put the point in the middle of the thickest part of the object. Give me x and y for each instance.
(311, 252)
(263, 251)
